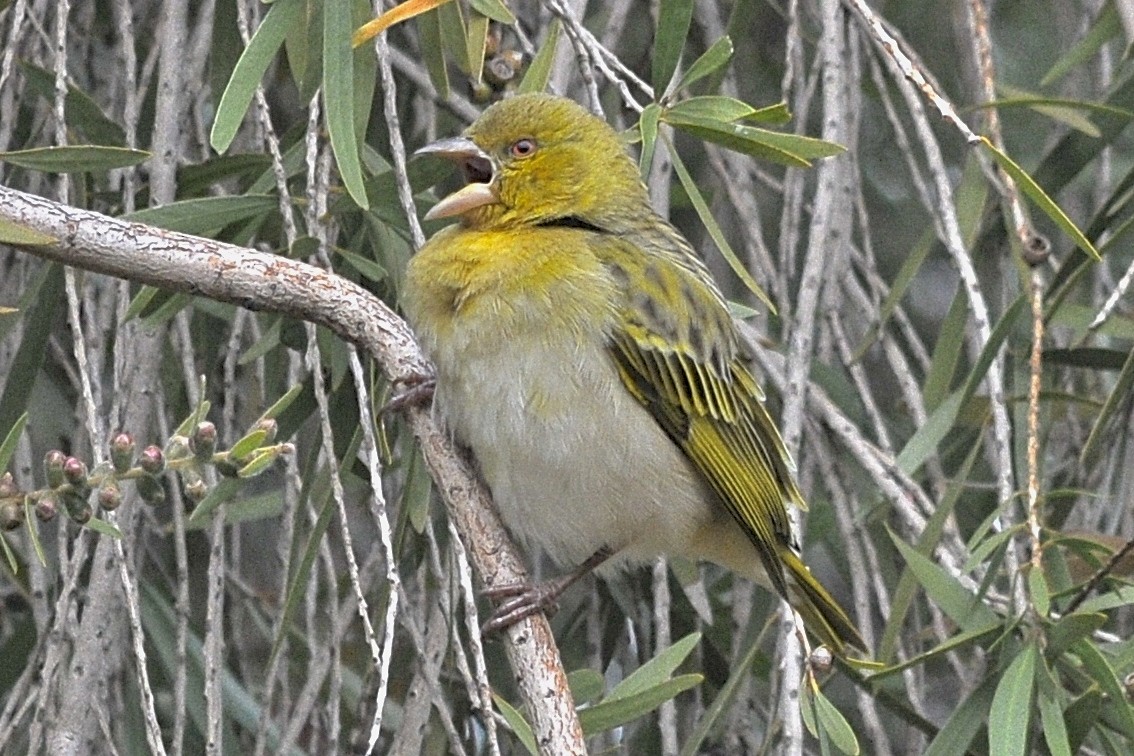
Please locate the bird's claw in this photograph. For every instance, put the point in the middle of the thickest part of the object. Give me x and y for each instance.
(522, 601)
(416, 390)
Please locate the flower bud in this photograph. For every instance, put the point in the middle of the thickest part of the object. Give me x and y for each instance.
(204, 441)
(177, 448)
(53, 463)
(46, 507)
(196, 490)
(110, 496)
(122, 452)
(75, 471)
(270, 428)
(8, 487)
(11, 515)
(152, 460)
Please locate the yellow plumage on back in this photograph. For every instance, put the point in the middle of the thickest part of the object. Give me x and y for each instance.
(588, 359)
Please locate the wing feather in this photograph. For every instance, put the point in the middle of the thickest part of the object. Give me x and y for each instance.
(704, 396)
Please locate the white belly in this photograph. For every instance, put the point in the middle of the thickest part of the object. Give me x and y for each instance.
(573, 461)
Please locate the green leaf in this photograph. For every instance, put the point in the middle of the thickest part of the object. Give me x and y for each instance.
(433, 52)
(1054, 726)
(79, 158)
(1097, 666)
(206, 215)
(714, 229)
(1038, 591)
(103, 527)
(493, 9)
(476, 44)
(223, 491)
(339, 96)
(832, 722)
(960, 604)
(258, 464)
(648, 127)
(519, 725)
(674, 17)
(539, 72)
(656, 670)
(787, 149)
(81, 111)
(964, 723)
(612, 713)
(711, 107)
(1010, 718)
(1117, 397)
(586, 685)
(1070, 629)
(281, 17)
(22, 236)
(11, 438)
(249, 443)
(1105, 28)
(41, 303)
(924, 441)
(712, 59)
(1037, 195)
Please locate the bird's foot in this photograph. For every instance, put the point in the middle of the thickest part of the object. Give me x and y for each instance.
(522, 600)
(412, 392)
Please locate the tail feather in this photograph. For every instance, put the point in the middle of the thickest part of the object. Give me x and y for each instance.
(821, 614)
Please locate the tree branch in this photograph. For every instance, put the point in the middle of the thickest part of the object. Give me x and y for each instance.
(260, 281)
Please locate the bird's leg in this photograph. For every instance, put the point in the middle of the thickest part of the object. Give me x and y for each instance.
(412, 391)
(525, 599)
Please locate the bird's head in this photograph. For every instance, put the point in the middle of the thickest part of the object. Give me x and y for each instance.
(535, 159)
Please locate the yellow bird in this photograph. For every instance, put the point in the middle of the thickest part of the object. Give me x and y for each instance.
(587, 358)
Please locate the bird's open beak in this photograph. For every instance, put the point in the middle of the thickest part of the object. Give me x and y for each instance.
(478, 170)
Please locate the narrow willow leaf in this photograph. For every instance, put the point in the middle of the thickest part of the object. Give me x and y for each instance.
(281, 16)
(1070, 629)
(493, 9)
(656, 670)
(832, 722)
(648, 128)
(1037, 195)
(1010, 718)
(1105, 28)
(539, 72)
(1038, 591)
(712, 59)
(610, 714)
(433, 51)
(714, 229)
(787, 149)
(960, 604)
(79, 158)
(674, 17)
(515, 719)
(476, 43)
(1097, 666)
(11, 438)
(339, 99)
(586, 685)
(711, 107)
(1054, 726)
(15, 234)
(1117, 397)
(205, 215)
(396, 15)
(41, 302)
(249, 443)
(81, 111)
(103, 527)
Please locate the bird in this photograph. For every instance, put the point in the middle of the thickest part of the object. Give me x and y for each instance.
(586, 357)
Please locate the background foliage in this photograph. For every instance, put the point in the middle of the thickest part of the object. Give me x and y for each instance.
(899, 354)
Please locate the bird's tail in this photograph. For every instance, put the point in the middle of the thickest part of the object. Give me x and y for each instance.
(821, 613)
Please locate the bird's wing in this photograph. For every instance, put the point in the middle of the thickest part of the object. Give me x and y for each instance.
(675, 347)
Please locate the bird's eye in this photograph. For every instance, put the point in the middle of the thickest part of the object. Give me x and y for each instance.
(522, 148)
